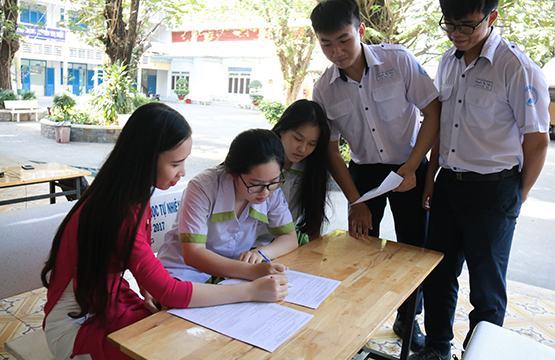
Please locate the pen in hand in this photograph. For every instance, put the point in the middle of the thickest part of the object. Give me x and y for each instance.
(266, 259)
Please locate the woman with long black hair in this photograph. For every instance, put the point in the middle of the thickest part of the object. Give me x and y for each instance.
(108, 231)
(304, 134)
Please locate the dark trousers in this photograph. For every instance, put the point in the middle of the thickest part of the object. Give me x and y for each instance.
(472, 221)
(408, 215)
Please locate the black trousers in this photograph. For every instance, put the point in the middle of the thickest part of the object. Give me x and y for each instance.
(408, 215)
(472, 221)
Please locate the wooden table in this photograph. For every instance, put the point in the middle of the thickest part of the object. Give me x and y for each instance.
(375, 281)
(42, 173)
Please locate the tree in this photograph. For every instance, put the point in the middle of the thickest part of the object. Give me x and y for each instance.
(530, 23)
(10, 40)
(124, 27)
(291, 33)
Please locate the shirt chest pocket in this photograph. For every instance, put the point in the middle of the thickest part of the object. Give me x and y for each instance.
(445, 93)
(340, 110)
(480, 105)
(390, 100)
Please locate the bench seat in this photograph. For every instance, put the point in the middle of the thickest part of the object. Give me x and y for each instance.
(22, 107)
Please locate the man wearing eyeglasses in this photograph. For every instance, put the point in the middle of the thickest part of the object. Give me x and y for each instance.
(493, 143)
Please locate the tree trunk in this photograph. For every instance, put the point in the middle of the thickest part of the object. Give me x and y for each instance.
(10, 41)
(295, 71)
(294, 51)
(121, 38)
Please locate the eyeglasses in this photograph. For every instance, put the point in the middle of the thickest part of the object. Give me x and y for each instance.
(256, 189)
(463, 28)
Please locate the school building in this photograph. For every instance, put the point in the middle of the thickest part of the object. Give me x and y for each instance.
(218, 59)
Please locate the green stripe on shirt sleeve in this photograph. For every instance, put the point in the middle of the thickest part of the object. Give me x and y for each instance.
(192, 238)
(283, 229)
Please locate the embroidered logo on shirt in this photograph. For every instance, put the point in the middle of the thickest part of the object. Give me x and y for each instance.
(388, 74)
(531, 95)
(483, 84)
(422, 71)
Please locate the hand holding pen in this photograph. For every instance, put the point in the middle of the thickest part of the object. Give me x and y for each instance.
(267, 267)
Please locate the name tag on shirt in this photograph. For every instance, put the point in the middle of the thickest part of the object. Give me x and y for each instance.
(388, 74)
(483, 84)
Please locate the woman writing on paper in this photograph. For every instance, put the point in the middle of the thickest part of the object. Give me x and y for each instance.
(222, 209)
(108, 231)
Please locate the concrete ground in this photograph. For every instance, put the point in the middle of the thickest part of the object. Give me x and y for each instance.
(215, 126)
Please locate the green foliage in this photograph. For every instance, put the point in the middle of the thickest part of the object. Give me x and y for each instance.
(82, 117)
(181, 87)
(344, 150)
(414, 24)
(63, 108)
(115, 95)
(255, 87)
(6, 94)
(64, 102)
(255, 90)
(530, 24)
(28, 95)
(140, 100)
(256, 99)
(272, 110)
(292, 35)
(123, 33)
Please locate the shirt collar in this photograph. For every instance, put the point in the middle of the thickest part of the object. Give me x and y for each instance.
(369, 58)
(224, 203)
(488, 50)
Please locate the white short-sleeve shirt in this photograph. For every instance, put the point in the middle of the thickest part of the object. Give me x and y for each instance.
(379, 116)
(207, 216)
(488, 106)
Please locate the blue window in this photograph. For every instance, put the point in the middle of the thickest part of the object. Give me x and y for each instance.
(24, 16)
(32, 16)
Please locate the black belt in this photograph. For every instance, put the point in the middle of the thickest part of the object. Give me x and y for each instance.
(473, 176)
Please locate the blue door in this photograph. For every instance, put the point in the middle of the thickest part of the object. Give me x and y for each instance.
(25, 78)
(75, 81)
(151, 85)
(100, 76)
(49, 89)
(90, 80)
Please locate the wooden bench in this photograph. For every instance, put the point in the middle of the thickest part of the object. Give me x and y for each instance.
(26, 239)
(22, 107)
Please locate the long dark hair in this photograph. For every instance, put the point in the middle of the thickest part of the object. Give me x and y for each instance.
(118, 195)
(251, 148)
(315, 177)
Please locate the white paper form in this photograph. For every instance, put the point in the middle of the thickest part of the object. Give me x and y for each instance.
(264, 325)
(309, 290)
(392, 181)
(304, 289)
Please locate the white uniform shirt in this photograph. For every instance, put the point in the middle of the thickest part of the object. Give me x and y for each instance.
(291, 190)
(207, 216)
(379, 117)
(488, 106)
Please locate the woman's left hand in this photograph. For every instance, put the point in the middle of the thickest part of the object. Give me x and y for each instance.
(151, 303)
(251, 257)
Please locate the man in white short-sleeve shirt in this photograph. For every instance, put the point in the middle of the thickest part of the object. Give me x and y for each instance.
(373, 96)
(493, 143)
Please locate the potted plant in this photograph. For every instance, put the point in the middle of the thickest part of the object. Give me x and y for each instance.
(255, 92)
(62, 110)
(181, 88)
